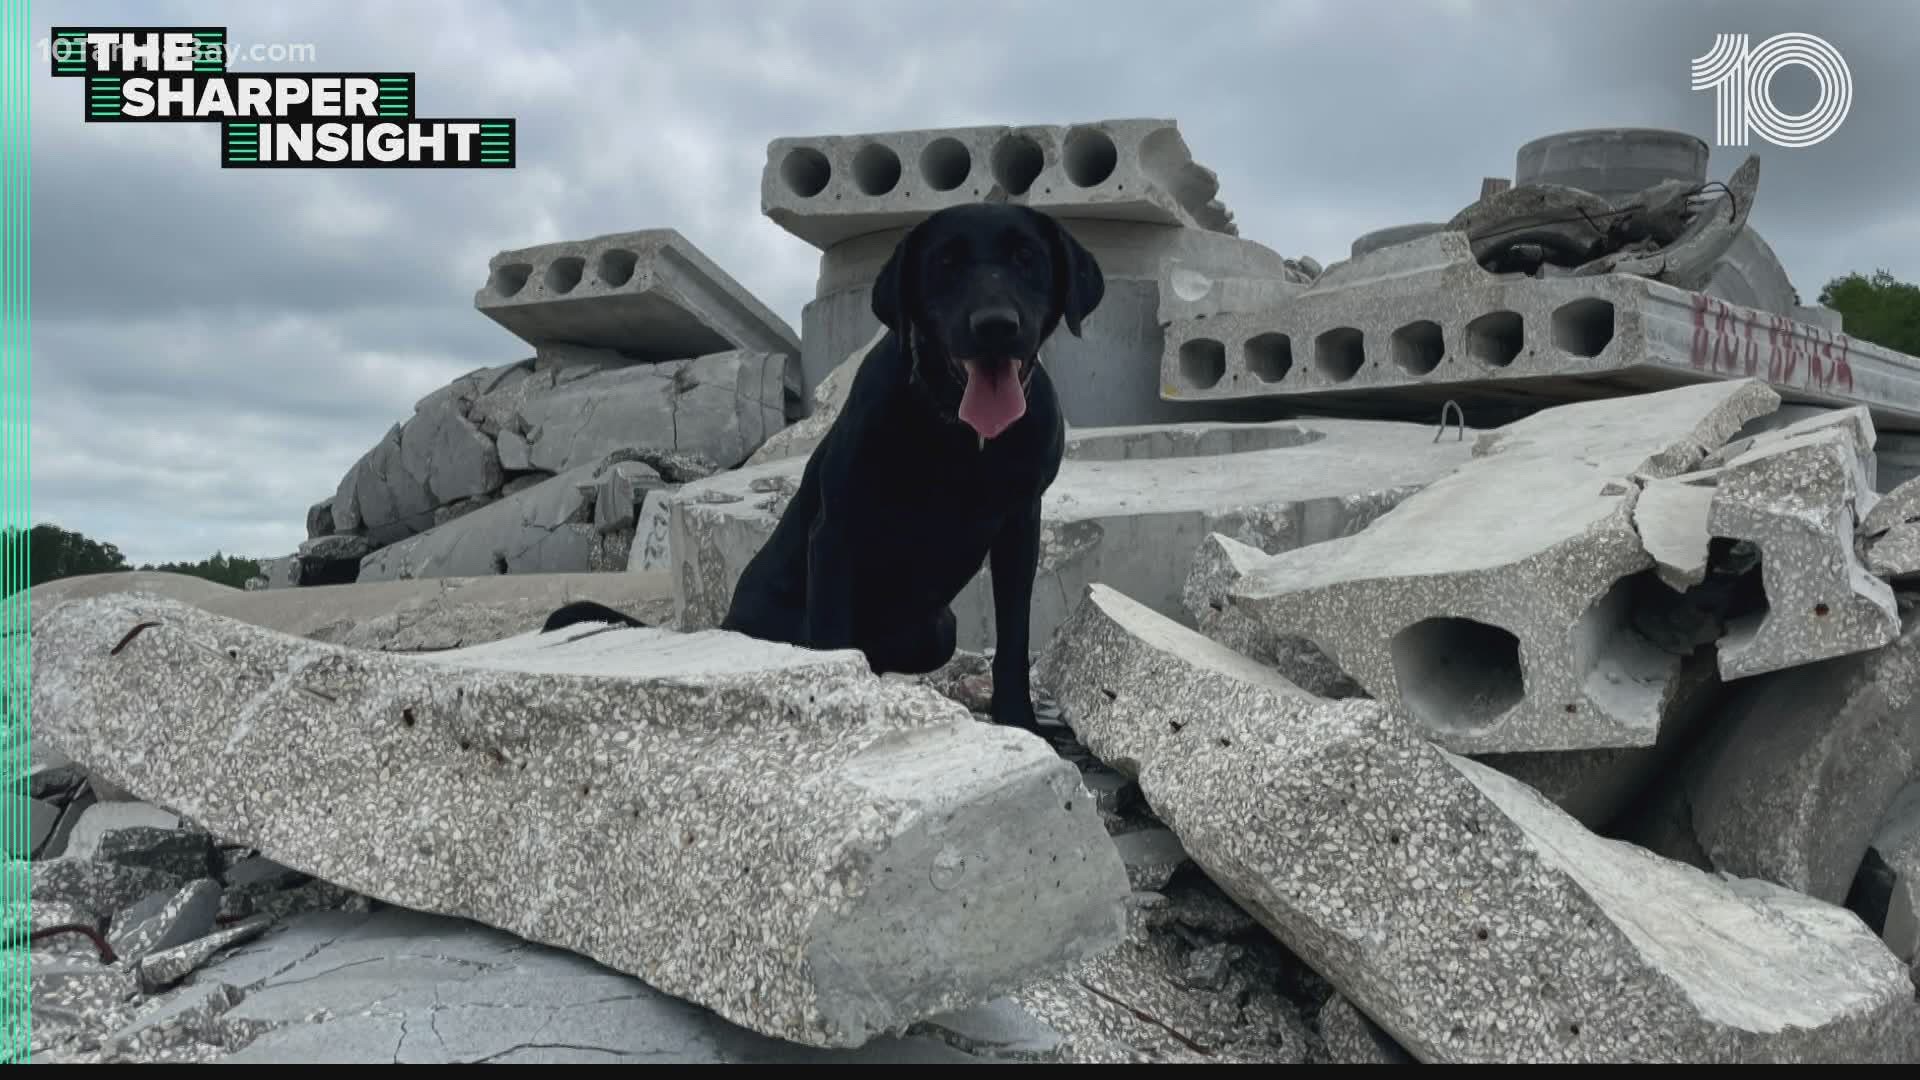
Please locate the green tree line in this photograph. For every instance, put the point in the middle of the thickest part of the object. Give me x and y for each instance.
(1878, 308)
(55, 553)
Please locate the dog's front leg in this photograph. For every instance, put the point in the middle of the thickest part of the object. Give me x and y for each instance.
(1016, 553)
(829, 584)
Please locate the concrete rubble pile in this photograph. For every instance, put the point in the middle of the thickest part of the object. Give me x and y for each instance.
(643, 348)
(1611, 266)
(1498, 645)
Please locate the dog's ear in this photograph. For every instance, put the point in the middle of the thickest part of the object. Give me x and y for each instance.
(1078, 284)
(896, 290)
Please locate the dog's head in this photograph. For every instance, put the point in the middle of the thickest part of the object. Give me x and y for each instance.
(975, 291)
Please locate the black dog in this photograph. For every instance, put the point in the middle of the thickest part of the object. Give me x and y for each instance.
(950, 435)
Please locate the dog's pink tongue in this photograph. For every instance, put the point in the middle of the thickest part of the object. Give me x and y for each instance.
(993, 399)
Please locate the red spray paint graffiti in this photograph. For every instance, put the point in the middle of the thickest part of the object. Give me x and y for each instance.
(1727, 342)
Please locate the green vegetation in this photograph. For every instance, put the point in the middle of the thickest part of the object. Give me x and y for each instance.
(1877, 308)
(61, 553)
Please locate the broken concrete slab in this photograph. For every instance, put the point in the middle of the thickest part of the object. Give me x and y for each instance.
(651, 295)
(1672, 516)
(1796, 496)
(1503, 635)
(184, 853)
(102, 818)
(1455, 906)
(1110, 516)
(825, 189)
(150, 927)
(636, 779)
(1399, 332)
(1217, 564)
(1798, 770)
(397, 985)
(623, 487)
(395, 616)
(102, 887)
(1897, 506)
(162, 968)
(720, 407)
(546, 529)
(1895, 554)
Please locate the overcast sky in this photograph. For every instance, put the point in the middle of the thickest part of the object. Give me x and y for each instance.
(213, 349)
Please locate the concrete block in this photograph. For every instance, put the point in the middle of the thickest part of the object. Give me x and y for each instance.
(1127, 520)
(814, 853)
(1899, 504)
(1895, 554)
(719, 407)
(650, 295)
(161, 969)
(100, 819)
(1217, 564)
(1503, 605)
(651, 552)
(1366, 243)
(1612, 162)
(320, 518)
(1799, 768)
(1471, 919)
(395, 616)
(827, 188)
(172, 921)
(623, 487)
(1796, 495)
(1109, 376)
(546, 529)
(1402, 330)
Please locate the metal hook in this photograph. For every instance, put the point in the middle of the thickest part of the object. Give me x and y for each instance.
(1457, 411)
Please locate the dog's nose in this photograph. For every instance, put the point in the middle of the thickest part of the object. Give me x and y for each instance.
(995, 325)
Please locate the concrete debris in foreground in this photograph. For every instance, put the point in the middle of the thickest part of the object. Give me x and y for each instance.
(813, 853)
(1453, 905)
(391, 616)
(1506, 631)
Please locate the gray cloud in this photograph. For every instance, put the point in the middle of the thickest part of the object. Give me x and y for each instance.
(214, 348)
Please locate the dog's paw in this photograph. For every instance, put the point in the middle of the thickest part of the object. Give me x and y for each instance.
(1015, 712)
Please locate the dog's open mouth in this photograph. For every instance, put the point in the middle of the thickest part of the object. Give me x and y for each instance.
(996, 394)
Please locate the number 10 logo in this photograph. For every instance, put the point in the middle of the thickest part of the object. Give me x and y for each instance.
(1742, 81)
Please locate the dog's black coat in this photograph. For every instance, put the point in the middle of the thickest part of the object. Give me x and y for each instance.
(902, 502)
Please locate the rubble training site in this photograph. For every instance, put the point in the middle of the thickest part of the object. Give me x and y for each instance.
(1497, 645)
